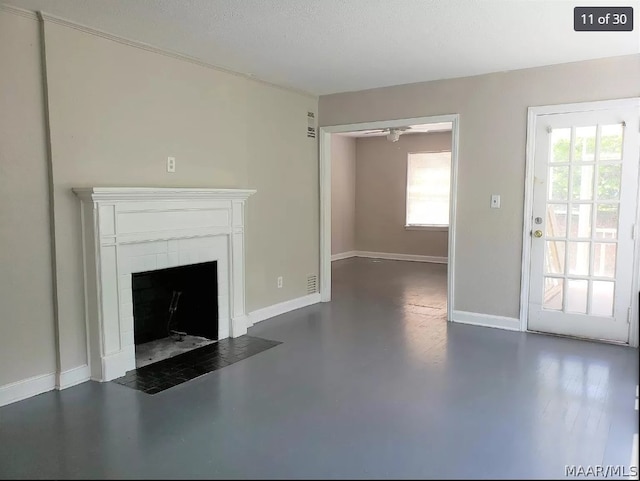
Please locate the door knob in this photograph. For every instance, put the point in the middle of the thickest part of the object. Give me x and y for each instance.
(537, 233)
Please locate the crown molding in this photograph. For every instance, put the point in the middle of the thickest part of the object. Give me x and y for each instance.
(18, 11)
(159, 193)
(46, 17)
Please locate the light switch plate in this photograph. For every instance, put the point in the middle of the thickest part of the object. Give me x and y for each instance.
(495, 201)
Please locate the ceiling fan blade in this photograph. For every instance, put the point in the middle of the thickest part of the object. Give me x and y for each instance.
(374, 132)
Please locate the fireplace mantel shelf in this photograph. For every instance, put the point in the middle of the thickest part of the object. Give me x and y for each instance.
(159, 193)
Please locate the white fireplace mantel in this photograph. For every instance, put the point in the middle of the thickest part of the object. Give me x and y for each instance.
(136, 229)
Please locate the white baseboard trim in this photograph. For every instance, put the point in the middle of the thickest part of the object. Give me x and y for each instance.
(282, 308)
(72, 377)
(486, 320)
(239, 326)
(17, 391)
(116, 365)
(401, 257)
(344, 255)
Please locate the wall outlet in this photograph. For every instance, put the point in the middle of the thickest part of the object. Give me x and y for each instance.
(280, 282)
(495, 201)
(171, 164)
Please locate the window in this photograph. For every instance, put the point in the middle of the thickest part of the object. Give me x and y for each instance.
(428, 186)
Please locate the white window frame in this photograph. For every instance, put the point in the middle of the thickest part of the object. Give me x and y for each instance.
(425, 227)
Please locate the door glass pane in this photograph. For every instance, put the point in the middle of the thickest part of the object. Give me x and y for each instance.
(577, 295)
(602, 298)
(604, 259)
(556, 220)
(607, 221)
(560, 145)
(558, 183)
(611, 142)
(585, 147)
(578, 258)
(582, 185)
(581, 221)
(553, 293)
(554, 260)
(609, 181)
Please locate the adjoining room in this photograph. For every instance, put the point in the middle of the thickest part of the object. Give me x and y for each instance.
(390, 209)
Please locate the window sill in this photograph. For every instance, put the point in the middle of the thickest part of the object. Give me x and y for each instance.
(433, 228)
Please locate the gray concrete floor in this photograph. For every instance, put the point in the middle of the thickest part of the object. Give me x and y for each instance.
(372, 385)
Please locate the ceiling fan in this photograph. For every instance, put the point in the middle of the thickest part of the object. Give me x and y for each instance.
(393, 133)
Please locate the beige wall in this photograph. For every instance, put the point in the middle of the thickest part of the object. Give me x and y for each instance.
(116, 112)
(493, 125)
(283, 218)
(27, 341)
(381, 187)
(343, 194)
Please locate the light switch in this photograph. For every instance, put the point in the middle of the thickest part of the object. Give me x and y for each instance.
(495, 201)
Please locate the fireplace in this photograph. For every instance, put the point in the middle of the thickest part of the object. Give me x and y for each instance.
(174, 310)
(131, 233)
(177, 300)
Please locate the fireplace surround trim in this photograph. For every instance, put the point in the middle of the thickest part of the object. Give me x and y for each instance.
(134, 229)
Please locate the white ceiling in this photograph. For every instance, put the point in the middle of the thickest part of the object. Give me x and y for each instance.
(327, 46)
(415, 129)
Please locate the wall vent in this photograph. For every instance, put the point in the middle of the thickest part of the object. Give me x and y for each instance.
(312, 284)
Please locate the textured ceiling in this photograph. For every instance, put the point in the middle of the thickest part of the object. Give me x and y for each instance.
(327, 46)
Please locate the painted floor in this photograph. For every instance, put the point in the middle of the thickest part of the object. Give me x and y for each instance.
(372, 385)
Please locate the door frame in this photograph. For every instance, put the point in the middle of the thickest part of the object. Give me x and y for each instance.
(325, 194)
(532, 119)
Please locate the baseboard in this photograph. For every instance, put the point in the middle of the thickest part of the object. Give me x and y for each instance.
(239, 326)
(282, 308)
(486, 320)
(72, 377)
(401, 257)
(17, 391)
(116, 365)
(344, 255)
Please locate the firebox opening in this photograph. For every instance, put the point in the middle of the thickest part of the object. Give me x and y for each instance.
(174, 310)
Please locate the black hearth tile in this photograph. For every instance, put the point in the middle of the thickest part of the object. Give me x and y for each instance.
(139, 385)
(235, 352)
(165, 374)
(232, 358)
(190, 373)
(213, 364)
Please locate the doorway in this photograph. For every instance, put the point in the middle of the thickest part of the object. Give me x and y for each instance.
(581, 214)
(389, 129)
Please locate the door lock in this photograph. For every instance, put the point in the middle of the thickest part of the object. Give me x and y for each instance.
(537, 233)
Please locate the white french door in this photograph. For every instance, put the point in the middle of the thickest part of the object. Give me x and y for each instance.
(585, 196)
